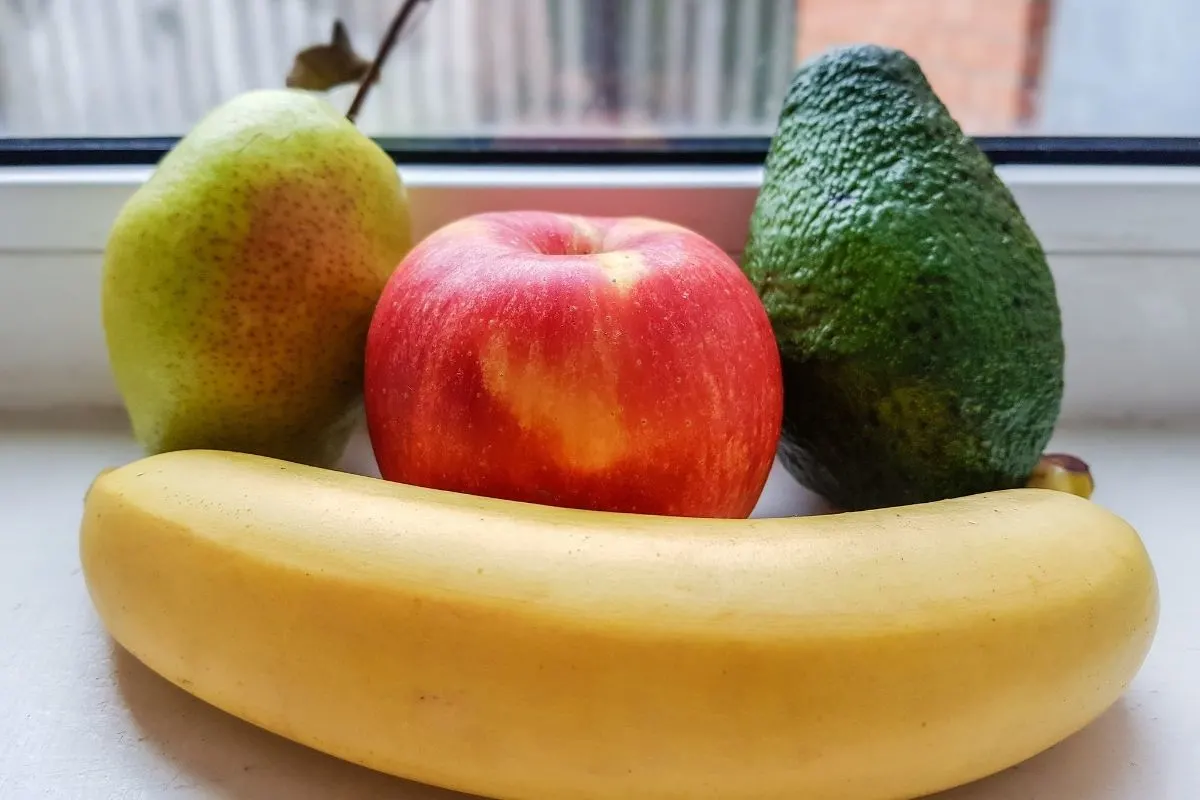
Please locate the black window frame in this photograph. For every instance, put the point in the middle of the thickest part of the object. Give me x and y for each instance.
(741, 151)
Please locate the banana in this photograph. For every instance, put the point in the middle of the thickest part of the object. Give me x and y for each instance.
(529, 652)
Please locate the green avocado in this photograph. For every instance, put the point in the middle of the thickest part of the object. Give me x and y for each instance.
(916, 316)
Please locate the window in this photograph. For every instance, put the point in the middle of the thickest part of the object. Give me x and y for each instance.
(642, 70)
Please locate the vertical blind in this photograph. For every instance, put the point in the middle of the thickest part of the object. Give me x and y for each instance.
(633, 68)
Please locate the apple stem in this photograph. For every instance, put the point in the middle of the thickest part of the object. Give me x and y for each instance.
(398, 22)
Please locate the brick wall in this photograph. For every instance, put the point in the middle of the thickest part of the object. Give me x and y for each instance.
(982, 57)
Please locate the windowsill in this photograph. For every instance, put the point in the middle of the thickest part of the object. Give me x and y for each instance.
(75, 698)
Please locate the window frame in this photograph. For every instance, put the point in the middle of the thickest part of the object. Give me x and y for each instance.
(1118, 223)
(1080, 195)
(1137, 151)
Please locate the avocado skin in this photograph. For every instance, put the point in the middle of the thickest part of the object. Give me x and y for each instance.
(916, 316)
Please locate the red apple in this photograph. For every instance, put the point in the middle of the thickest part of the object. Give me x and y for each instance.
(607, 364)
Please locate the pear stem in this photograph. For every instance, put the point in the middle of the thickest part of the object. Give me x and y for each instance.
(385, 48)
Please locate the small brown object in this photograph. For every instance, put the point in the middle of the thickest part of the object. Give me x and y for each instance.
(1064, 473)
(324, 66)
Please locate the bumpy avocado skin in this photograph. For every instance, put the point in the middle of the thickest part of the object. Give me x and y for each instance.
(916, 316)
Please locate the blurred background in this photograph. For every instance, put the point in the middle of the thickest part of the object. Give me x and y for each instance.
(599, 68)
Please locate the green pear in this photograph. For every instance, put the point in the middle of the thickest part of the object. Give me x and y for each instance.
(239, 281)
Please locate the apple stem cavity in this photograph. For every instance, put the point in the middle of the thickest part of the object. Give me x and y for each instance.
(397, 25)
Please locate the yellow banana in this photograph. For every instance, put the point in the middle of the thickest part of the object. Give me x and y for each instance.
(522, 651)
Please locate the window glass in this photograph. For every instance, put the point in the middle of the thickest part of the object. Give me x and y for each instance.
(640, 70)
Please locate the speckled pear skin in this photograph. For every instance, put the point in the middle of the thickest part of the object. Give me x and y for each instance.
(239, 281)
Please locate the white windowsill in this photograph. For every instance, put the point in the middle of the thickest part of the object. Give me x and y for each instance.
(71, 697)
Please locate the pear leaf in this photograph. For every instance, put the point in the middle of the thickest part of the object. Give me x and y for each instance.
(324, 66)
